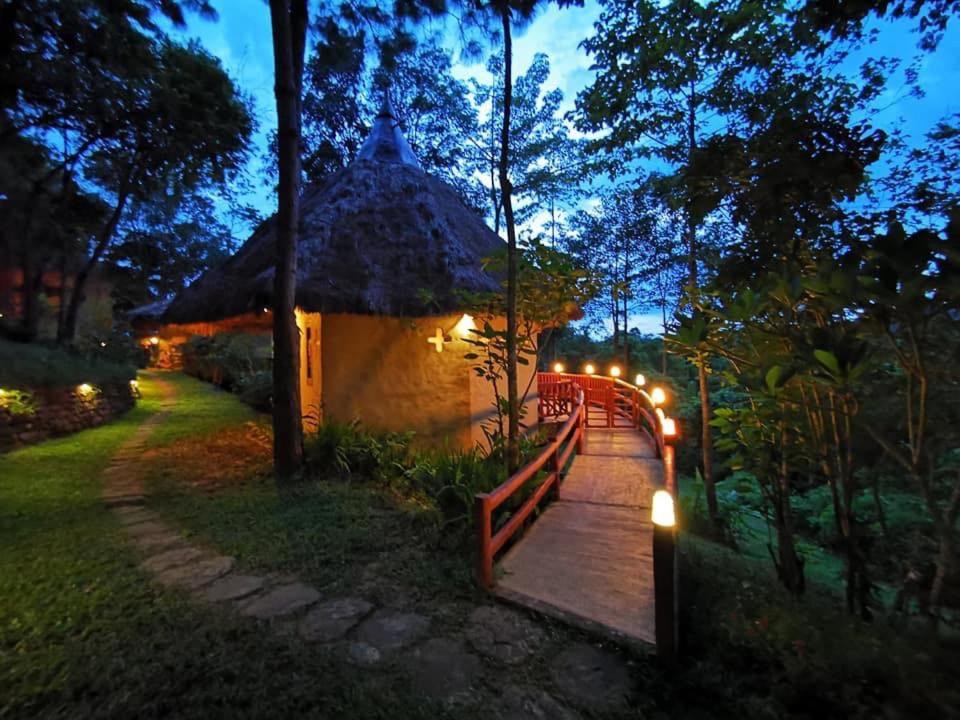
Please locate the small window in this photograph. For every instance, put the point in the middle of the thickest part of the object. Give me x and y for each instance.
(309, 356)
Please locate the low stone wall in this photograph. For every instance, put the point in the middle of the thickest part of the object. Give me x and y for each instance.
(61, 411)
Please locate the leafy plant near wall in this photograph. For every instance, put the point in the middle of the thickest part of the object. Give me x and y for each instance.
(447, 479)
(17, 402)
(552, 289)
(231, 360)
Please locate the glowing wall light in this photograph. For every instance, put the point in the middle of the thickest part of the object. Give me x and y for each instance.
(464, 325)
(663, 513)
(615, 371)
(558, 367)
(658, 396)
(640, 381)
(589, 369)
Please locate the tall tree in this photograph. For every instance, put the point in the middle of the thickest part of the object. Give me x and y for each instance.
(288, 19)
(508, 13)
(659, 73)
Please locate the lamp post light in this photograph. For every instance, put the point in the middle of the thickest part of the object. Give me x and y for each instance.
(665, 575)
(640, 380)
(589, 369)
(615, 371)
(558, 367)
(658, 396)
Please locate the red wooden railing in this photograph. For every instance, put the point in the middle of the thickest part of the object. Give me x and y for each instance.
(589, 401)
(565, 398)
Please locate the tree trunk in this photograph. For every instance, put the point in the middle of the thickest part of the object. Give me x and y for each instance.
(506, 191)
(69, 327)
(789, 565)
(288, 19)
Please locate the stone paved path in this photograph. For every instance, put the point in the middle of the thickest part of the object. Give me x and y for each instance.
(445, 666)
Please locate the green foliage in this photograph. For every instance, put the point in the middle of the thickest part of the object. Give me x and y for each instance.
(235, 361)
(347, 450)
(33, 365)
(256, 389)
(17, 402)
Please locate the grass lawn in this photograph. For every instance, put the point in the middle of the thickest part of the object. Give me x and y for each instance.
(83, 634)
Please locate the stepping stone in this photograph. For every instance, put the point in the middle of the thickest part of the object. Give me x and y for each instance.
(331, 620)
(389, 631)
(196, 574)
(147, 528)
(503, 635)
(232, 587)
(159, 541)
(138, 515)
(444, 670)
(123, 500)
(590, 678)
(171, 558)
(362, 654)
(280, 601)
(532, 704)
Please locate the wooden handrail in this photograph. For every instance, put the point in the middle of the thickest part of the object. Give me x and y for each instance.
(490, 543)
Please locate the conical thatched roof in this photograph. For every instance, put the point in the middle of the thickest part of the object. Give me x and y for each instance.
(379, 237)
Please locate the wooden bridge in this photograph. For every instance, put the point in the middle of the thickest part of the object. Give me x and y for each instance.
(593, 557)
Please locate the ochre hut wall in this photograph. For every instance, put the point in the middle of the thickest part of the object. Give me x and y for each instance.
(383, 371)
(311, 375)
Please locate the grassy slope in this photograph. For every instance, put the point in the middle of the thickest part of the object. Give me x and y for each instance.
(82, 633)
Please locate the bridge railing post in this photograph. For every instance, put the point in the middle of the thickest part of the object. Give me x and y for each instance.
(484, 542)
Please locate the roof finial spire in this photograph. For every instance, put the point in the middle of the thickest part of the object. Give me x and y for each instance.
(386, 106)
(386, 143)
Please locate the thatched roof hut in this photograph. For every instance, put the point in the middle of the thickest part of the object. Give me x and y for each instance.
(380, 236)
(385, 255)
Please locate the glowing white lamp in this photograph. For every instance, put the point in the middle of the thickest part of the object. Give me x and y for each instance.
(464, 325)
(658, 396)
(663, 513)
(615, 371)
(589, 369)
(669, 426)
(154, 340)
(640, 380)
(558, 367)
(85, 388)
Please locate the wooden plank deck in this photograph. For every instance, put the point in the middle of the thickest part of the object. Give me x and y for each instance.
(589, 558)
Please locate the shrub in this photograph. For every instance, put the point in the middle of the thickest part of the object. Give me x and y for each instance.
(346, 450)
(35, 365)
(448, 479)
(226, 359)
(256, 389)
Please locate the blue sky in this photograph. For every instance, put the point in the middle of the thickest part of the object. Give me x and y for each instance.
(241, 39)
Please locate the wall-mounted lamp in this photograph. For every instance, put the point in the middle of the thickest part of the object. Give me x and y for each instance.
(464, 325)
